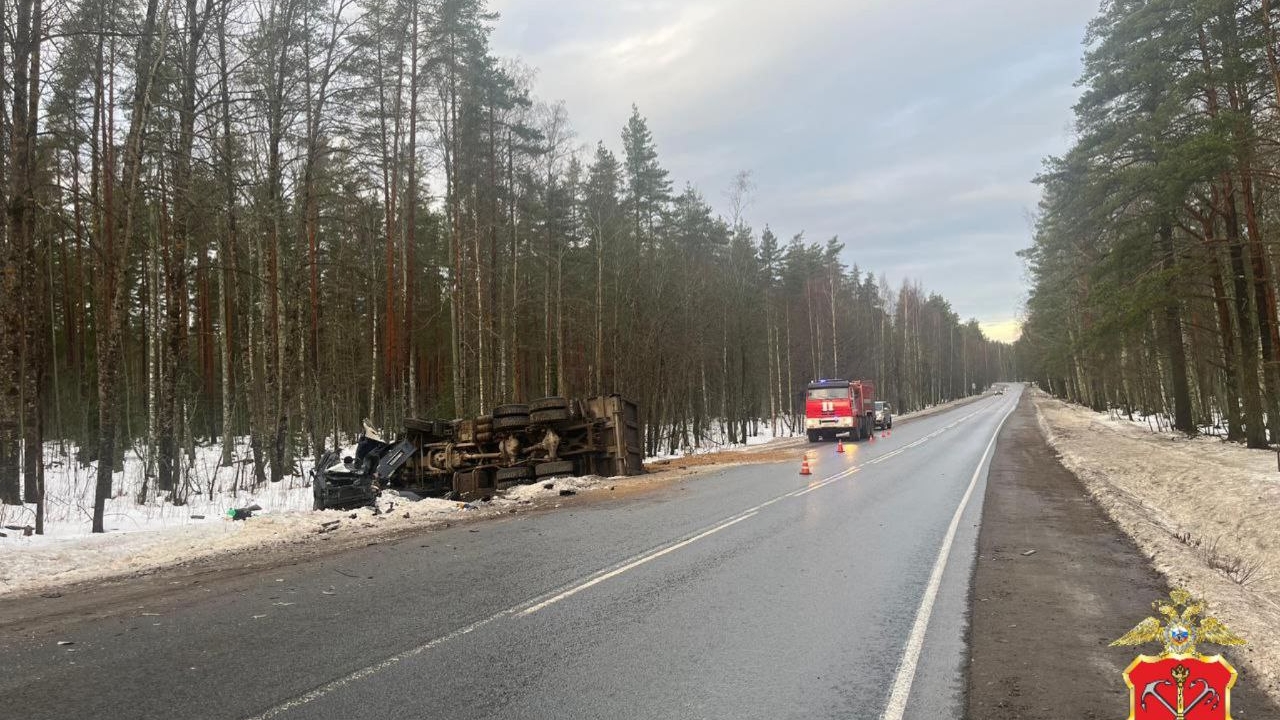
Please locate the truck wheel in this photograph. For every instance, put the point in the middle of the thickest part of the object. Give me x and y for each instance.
(549, 415)
(551, 469)
(519, 473)
(509, 411)
(549, 403)
(813, 436)
(510, 422)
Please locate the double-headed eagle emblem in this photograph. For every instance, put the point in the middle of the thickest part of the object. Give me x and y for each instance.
(1180, 684)
(1185, 624)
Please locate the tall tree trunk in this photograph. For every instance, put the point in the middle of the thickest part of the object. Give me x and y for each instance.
(227, 246)
(1173, 338)
(19, 228)
(36, 314)
(113, 304)
(1255, 431)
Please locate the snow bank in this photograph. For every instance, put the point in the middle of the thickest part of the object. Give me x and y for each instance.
(157, 534)
(1205, 511)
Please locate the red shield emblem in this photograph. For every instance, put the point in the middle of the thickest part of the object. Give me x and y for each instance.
(1180, 687)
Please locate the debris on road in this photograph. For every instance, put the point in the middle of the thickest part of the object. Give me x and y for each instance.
(243, 513)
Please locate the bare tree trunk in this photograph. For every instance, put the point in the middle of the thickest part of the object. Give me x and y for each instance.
(113, 305)
(19, 236)
(35, 314)
(227, 248)
(1174, 341)
(410, 244)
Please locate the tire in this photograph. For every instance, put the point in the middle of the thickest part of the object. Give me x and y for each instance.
(484, 437)
(509, 411)
(429, 427)
(510, 422)
(558, 467)
(813, 436)
(549, 403)
(518, 474)
(549, 415)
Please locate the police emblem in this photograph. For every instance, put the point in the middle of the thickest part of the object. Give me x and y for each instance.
(1179, 683)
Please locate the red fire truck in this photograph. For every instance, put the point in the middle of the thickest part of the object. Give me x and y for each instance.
(833, 407)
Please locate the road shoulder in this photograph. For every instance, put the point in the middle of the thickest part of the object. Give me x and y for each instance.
(1041, 622)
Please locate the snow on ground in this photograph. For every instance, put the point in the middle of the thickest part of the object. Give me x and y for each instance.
(211, 491)
(157, 534)
(1206, 512)
(717, 441)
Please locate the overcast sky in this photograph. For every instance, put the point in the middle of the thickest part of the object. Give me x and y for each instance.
(909, 128)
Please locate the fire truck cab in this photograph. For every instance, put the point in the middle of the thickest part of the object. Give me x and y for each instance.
(833, 407)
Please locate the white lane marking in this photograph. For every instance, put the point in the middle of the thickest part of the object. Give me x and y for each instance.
(905, 676)
(525, 609)
(365, 672)
(632, 565)
(521, 609)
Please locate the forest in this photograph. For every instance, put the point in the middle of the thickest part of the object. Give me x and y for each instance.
(273, 219)
(1153, 267)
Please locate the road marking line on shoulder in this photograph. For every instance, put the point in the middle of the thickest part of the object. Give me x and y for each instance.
(906, 672)
(634, 564)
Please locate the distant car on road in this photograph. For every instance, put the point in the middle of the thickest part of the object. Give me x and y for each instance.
(884, 415)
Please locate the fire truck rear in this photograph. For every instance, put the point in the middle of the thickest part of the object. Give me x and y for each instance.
(834, 407)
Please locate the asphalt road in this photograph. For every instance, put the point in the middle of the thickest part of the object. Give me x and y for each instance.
(749, 593)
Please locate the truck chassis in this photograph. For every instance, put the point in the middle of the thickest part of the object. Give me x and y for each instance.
(467, 459)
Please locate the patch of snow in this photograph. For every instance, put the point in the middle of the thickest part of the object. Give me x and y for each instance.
(156, 533)
(538, 490)
(716, 440)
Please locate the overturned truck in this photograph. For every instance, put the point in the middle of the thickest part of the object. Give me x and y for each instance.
(465, 459)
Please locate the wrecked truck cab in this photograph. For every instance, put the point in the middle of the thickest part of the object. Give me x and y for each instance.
(467, 459)
(342, 482)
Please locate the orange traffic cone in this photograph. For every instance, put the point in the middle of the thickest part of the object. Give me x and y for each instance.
(840, 446)
(804, 466)
(873, 435)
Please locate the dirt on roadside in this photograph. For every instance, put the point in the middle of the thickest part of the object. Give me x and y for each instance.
(1041, 621)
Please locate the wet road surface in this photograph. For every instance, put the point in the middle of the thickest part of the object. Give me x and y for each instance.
(752, 592)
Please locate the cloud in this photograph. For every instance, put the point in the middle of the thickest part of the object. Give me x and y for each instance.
(909, 128)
